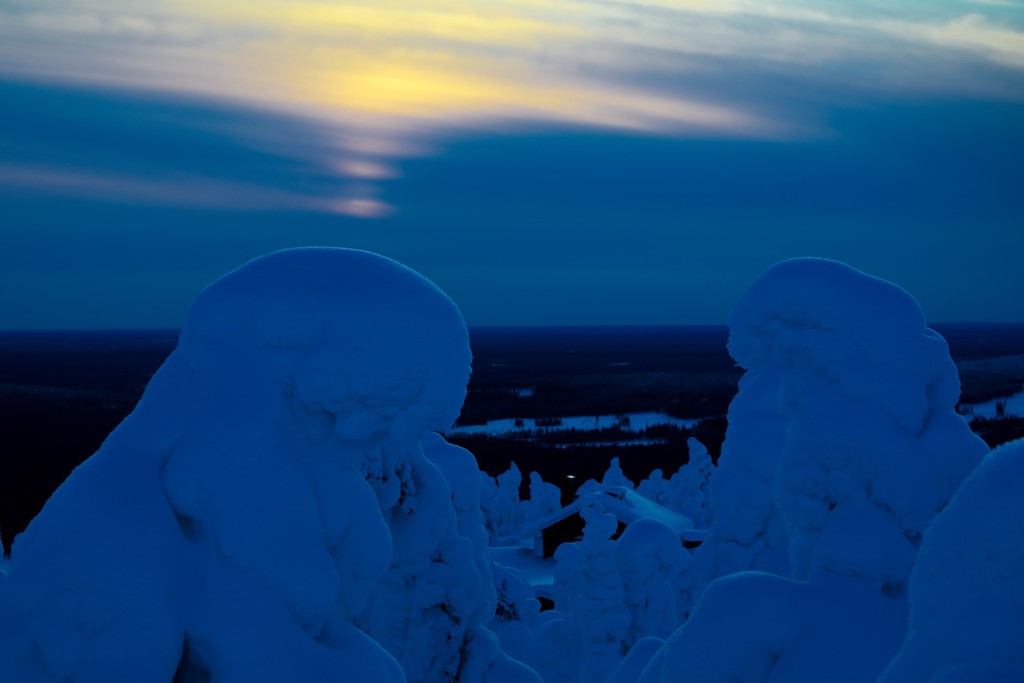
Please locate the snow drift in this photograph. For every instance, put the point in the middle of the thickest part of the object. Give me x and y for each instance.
(277, 507)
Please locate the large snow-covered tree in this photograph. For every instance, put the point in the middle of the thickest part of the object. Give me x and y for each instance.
(857, 398)
(967, 587)
(277, 507)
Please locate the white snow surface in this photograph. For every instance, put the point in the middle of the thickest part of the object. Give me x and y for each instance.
(608, 596)
(868, 394)
(502, 509)
(685, 492)
(505, 515)
(582, 638)
(1011, 405)
(754, 626)
(613, 477)
(637, 422)
(545, 499)
(845, 422)
(277, 507)
(748, 530)
(967, 588)
(280, 507)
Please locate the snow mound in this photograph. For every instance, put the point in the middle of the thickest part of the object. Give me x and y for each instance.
(967, 588)
(277, 507)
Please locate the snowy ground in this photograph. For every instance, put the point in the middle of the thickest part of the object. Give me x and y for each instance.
(1014, 405)
(632, 422)
(539, 572)
(620, 442)
(637, 422)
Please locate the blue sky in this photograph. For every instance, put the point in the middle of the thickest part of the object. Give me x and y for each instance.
(543, 161)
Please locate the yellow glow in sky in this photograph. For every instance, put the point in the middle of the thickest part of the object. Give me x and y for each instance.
(431, 62)
(389, 73)
(425, 60)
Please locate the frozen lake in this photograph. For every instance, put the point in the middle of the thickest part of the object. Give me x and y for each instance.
(1013, 405)
(630, 422)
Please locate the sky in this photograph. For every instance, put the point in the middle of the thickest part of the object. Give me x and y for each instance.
(543, 161)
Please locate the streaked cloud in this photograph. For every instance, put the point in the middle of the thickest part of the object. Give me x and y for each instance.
(427, 63)
(118, 207)
(130, 149)
(187, 191)
(969, 32)
(997, 3)
(394, 79)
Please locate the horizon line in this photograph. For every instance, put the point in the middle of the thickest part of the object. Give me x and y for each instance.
(510, 326)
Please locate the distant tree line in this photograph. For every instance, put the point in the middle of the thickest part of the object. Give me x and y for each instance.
(679, 394)
(998, 430)
(556, 462)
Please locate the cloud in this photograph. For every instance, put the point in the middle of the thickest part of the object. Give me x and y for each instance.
(359, 87)
(997, 3)
(969, 32)
(121, 214)
(131, 149)
(420, 70)
(179, 191)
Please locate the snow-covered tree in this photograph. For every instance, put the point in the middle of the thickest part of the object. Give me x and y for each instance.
(270, 511)
(610, 595)
(967, 587)
(614, 476)
(502, 510)
(584, 638)
(545, 498)
(505, 513)
(509, 484)
(686, 491)
(517, 612)
(649, 560)
(748, 530)
(653, 487)
(871, 450)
